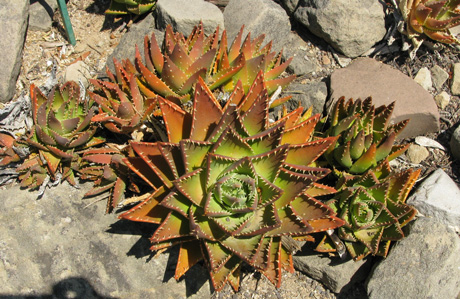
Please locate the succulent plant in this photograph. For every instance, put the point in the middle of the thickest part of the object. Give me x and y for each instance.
(228, 185)
(433, 18)
(122, 108)
(365, 135)
(7, 153)
(138, 7)
(173, 71)
(110, 174)
(62, 126)
(374, 210)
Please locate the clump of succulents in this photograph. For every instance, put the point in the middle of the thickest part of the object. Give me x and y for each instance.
(228, 185)
(173, 70)
(432, 18)
(138, 7)
(365, 136)
(374, 210)
(7, 152)
(62, 126)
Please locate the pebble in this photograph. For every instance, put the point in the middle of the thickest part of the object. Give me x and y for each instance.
(455, 85)
(423, 78)
(417, 153)
(442, 100)
(438, 76)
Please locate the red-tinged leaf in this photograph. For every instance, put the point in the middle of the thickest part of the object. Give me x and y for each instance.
(190, 186)
(189, 255)
(191, 81)
(244, 247)
(256, 88)
(218, 255)
(266, 141)
(300, 133)
(62, 141)
(152, 156)
(235, 48)
(272, 85)
(280, 101)
(286, 260)
(305, 154)
(176, 120)
(231, 145)
(293, 185)
(99, 189)
(155, 53)
(172, 75)
(52, 161)
(204, 104)
(319, 190)
(194, 154)
(269, 164)
(118, 192)
(273, 271)
(152, 80)
(172, 226)
(278, 70)
(180, 58)
(38, 99)
(60, 153)
(224, 75)
(82, 139)
(255, 120)
(220, 277)
(365, 162)
(149, 210)
(205, 61)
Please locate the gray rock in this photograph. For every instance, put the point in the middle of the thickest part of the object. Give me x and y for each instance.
(438, 197)
(438, 76)
(78, 72)
(63, 243)
(290, 5)
(442, 99)
(423, 78)
(309, 94)
(303, 61)
(344, 24)
(425, 264)
(366, 77)
(455, 85)
(258, 17)
(417, 153)
(41, 14)
(336, 275)
(126, 48)
(13, 21)
(455, 144)
(183, 15)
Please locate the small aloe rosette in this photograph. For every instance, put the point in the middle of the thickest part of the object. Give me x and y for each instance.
(374, 210)
(365, 135)
(228, 185)
(432, 18)
(62, 126)
(138, 7)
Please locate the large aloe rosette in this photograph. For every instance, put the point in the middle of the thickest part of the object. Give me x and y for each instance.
(374, 210)
(228, 186)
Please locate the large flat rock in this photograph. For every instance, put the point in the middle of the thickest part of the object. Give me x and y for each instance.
(62, 243)
(13, 23)
(366, 77)
(425, 264)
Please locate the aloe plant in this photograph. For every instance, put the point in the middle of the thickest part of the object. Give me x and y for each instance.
(365, 135)
(374, 210)
(62, 126)
(7, 153)
(432, 18)
(138, 7)
(228, 185)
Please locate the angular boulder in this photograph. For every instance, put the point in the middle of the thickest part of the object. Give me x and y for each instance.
(344, 24)
(13, 23)
(258, 17)
(425, 264)
(183, 15)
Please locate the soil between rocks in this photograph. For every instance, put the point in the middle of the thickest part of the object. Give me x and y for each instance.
(97, 35)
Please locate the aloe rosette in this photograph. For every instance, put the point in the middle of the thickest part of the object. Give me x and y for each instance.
(138, 7)
(432, 18)
(228, 185)
(365, 135)
(7, 153)
(62, 126)
(374, 210)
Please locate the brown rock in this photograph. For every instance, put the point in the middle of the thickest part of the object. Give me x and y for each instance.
(367, 77)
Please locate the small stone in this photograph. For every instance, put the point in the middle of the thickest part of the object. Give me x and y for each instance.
(438, 197)
(416, 153)
(326, 60)
(423, 78)
(438, 76)
(455, 86)
(442, 100)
